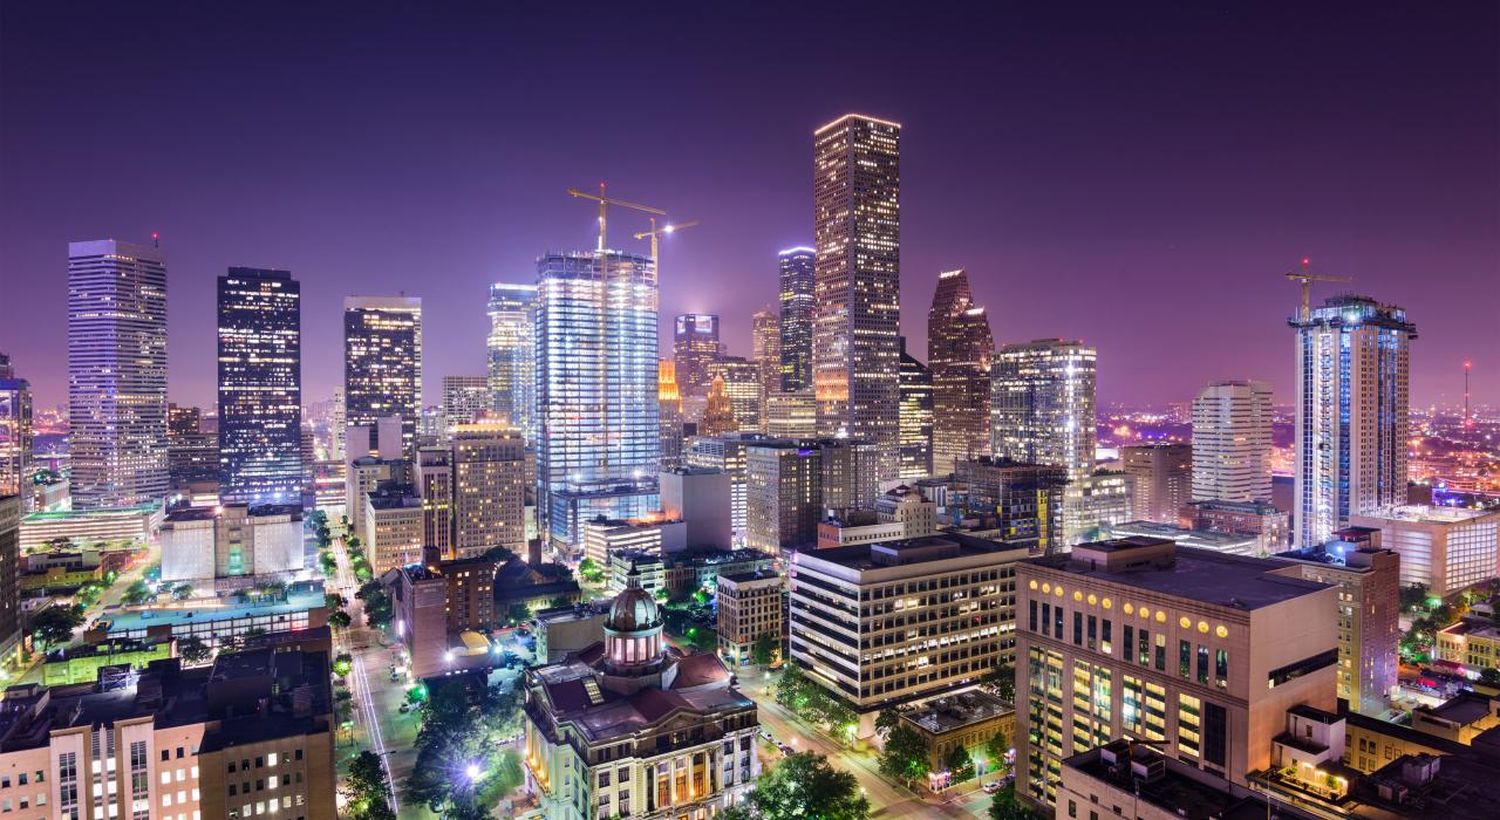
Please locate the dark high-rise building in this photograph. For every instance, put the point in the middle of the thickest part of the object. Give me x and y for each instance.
(1024, 502)
(117, 373)
(383, 366)
(959, 345)
(15, 435)
(192, 453)
(857, 228)
(696, 345)
(916, 418)
(260, 387)
(10, 590)
(798, 303)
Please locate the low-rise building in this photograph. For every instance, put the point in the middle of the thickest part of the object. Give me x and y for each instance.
(859, 527)
(603, 536)
(561, 630)
(218, 623)
(692, 570)
(203, 543)
(129, 525)
(441, 609)
(1270, 526)
(1460, 719)
(647, 565)
(536, 586)
(884, 624)
(1471, 643)
(232, 740)
(967, 718)
(750, 605)
(630, 728)
(1222, 542)
(1446, 549)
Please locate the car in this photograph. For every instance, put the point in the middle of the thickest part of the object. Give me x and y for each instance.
(785, 749)
(992, 787)
(765, 733)
(405, 707)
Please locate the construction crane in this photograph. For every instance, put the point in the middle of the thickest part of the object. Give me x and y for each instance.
(655, 233)
(1305, 277)
(604, 203)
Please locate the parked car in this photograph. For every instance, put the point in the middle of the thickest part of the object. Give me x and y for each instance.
(992, 787)
(405, 707)
(766, 733)
(785, 749)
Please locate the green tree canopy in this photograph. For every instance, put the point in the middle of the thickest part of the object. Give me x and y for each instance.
(54, 625)
(366, 788)
(804, 786)
(905, 755)
(192, 649)
(763, 652)
(960, 764)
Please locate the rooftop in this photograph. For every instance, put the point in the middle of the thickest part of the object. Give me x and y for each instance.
(955, 710)
(1207, 539)
(146, 617)
(1429, 514)
(755, 575)
(1196, 574)
(1464, 709)
(1168, 784)
(905, 552)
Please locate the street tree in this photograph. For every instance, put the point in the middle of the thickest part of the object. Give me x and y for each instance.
(54, 625)
(138, 594)
(378, 607)
(1006, 807)
(763, 652)
(905, 755)
(960, 764)
(193, 650)
(804, 786)
(365, 787)
(886, 720)
(996, 747)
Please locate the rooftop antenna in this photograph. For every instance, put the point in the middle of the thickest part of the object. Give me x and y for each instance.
(1468, 420)
(156, 239)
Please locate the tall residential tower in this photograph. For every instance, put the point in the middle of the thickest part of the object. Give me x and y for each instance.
(1353, 357)
(117, 373)
(1042, 404)
(857, 228)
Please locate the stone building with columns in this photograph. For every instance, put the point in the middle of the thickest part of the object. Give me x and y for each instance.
(630, 727)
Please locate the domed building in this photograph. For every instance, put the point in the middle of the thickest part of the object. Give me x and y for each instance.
(632, 727)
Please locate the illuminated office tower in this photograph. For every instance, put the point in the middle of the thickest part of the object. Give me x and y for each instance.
(15, 436)
(696, 345)
(466, 399)
(599, 442)
(1351, 413)
(512, 356)
(959, 346)
(1232, 442)
(489, 488)
(669, 414)
(1042, 404)
(798, 302)
(383, 366)
(1161, 479)
(117, 374)
(742, 385)
(340, 423)
(857, 225)
(260, 387)
(434, 485)
(718, 413)
(765, 351)
(916, 418)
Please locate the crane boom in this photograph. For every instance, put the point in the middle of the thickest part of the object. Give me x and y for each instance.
(606, 201)
(1305, 277)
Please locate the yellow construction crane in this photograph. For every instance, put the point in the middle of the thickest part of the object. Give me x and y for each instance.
(656, 232)
(1305, 277)
(605, 201)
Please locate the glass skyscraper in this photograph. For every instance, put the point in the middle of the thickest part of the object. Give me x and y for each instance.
(695, 346)
(260, 387)
(1353, 366)
(117, 374)
(512, 356)
(916, 418)
(383, 366)
(1042, 404)
(797, 306)
(857, 230)
(959, 346)
(599, 442)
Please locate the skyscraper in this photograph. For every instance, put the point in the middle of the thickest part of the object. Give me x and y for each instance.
(669, 414)
(1042, 404)
(798, 305)
(1161, 479)
(15, 436)
(1232, 442)
(260, 387)
(959, 345)
(383, 366)
(599, 442)
(695, 345)
(117, 373)
(512, 356)
(765, 351)
(1353, 357)
(742, 385)
(916, 418)
(466, 399)
(489, 488)
(857, 227)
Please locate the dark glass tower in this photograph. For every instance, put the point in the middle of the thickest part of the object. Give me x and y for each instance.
(260, 387)
(916, 418)
(383, 366)
(797, 305)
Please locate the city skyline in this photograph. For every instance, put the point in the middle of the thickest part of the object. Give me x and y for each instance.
(1177, 231)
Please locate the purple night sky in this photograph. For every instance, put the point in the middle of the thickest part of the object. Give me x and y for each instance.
(1137, 175)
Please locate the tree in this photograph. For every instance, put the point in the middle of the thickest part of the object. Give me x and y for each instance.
(378, 607)
(343, 664)
(517, 614)
(138, 594)
(905, 755)
(1007, 807)
(764, 649)
(54, 625)
(886, 720)
(960, 764)
(1413, 596)
(333, 600)
(366, 787)
(789, 688)
(590, 571)
(804, 785)
(182, 592)
(1003, 677)
(559, 602)
(340, 619)
(193, 650)
(1490, 676)
(996, 747)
